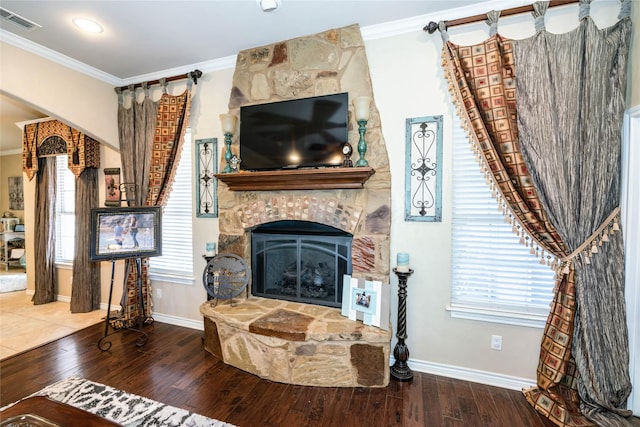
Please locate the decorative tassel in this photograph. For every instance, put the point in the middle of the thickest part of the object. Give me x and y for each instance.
(514, 230)
(594, 248)
(605, 236)
(532, 251)
(615, 226)
(522, 240)
(565, 270)
(586, 257)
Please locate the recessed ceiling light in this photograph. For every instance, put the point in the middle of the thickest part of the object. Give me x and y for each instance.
(87, 25)
(268, 5)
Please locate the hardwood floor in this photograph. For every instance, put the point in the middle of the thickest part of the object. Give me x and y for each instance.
(174, 368)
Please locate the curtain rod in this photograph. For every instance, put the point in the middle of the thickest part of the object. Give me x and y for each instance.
(193, 75)
(432, 26)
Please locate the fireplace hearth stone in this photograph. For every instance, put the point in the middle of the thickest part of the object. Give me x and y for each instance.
(296, 343)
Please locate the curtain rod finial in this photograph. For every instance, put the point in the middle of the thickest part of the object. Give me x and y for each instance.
(195, 75)
(431, 27)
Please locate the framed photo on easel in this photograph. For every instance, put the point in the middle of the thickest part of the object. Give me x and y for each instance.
(119, 233)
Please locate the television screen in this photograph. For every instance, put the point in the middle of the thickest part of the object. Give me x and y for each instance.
(299, 133)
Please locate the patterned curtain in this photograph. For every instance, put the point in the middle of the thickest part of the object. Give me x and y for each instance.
(149, 163)
(85, 288)
(45, 246)
(539, 111)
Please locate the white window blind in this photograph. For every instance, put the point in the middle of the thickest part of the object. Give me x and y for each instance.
(65, 211)
(176, 262)
(494, 277)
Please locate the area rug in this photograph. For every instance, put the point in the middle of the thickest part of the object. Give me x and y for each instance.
(13, 282)
(121, 407)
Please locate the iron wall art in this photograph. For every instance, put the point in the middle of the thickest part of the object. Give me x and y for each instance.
(206, 184)
(423, 174)
(112, 187)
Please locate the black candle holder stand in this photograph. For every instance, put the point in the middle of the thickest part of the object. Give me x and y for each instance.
(400, 371)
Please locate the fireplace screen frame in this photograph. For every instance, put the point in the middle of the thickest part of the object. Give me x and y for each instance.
(300, 236)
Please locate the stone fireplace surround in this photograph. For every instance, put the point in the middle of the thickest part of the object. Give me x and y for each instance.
(292, 342)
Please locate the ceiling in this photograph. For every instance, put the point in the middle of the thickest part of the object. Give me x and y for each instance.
(144, 40)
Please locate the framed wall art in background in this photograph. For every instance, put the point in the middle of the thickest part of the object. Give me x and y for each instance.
(206, 183)
(112, 187)
(423, 169)
(16, 196)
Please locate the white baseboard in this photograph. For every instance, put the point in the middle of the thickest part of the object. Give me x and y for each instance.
(157, 317)
(178, 321)
(468, 374)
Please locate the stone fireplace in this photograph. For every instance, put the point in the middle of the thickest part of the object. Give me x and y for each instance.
(290, 341)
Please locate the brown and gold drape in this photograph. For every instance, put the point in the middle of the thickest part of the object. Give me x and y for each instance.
(151, 139)
(545, 118)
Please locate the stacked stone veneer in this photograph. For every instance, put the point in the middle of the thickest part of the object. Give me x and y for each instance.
(297, 343)
(330, 62)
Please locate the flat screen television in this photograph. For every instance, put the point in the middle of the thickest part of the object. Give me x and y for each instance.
(300, 133)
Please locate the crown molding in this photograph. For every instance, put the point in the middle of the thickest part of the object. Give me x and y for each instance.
(372, 32)
(56, 57)
(416, 23)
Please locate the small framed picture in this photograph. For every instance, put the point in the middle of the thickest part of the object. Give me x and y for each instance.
(366, 300)
(112, 187)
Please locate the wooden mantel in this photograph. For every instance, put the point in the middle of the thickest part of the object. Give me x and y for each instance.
(297, 179)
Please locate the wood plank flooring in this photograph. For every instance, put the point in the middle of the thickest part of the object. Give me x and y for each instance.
(174, 368)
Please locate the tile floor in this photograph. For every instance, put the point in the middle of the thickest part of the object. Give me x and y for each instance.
(24, 326)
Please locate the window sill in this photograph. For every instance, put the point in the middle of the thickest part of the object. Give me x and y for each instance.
(171, 278)
(498, 316)
(64, 265)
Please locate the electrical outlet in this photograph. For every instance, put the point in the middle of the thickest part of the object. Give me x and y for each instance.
(496, 342)
(159, 293)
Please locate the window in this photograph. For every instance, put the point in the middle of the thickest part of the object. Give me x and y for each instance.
(494, 277)
(176, 262)
(65, 211)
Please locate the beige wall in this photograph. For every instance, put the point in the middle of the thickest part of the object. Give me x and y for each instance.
(407, 82)
(10, 165)
(70, 96)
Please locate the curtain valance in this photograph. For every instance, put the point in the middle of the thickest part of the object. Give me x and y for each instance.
(83, 151)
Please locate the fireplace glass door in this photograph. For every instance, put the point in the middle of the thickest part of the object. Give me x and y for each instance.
(300, 263)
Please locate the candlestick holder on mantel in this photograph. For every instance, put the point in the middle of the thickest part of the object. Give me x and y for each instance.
(400, 370)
